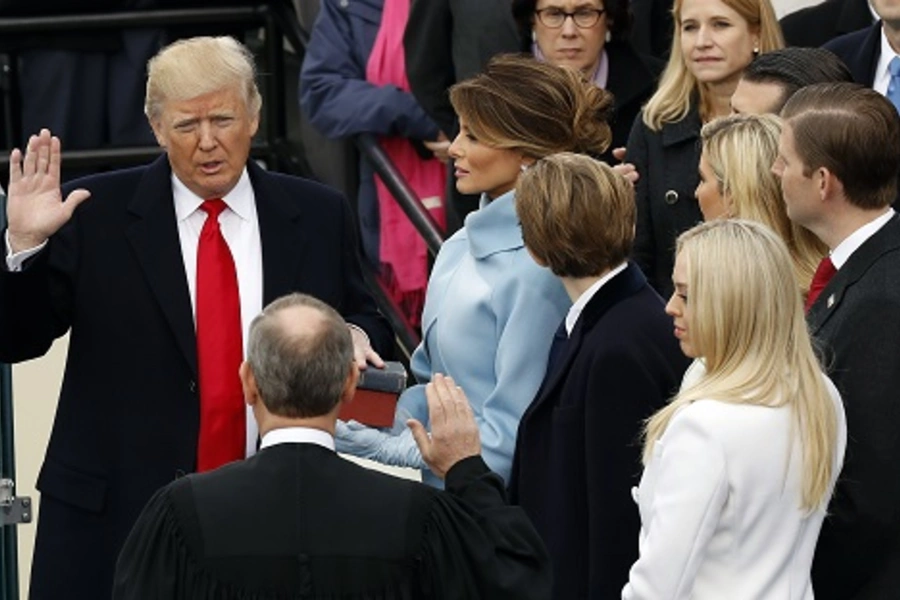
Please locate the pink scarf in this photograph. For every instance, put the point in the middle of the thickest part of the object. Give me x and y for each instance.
(403, 252)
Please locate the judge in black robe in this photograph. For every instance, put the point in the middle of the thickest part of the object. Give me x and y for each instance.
(298, 521)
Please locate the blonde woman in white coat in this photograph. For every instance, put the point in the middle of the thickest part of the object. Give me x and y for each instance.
(740, 466)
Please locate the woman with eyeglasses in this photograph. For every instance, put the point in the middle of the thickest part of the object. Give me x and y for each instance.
(593, 37)
(714, 40)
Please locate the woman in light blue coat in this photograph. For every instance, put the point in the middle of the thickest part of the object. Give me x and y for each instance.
(490, 310)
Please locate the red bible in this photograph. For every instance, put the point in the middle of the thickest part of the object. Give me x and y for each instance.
(376, 395)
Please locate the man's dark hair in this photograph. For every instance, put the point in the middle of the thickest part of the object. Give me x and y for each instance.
(300, 371)
(854, 132)
(795, 68)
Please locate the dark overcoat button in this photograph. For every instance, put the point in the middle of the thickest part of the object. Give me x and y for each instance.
(671, 197)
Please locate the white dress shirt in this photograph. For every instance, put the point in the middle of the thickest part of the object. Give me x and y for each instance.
(882, 75)
(583, 299)
(240, 229)
(298, 435)
(841, 254)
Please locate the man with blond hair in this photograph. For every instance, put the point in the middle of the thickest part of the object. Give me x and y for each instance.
(156, 278)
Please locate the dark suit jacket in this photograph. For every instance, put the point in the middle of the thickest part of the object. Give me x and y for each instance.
(859, 51)
(667, 161)
(857, 321)
(128, 412)
(578, 447)
(652, 29)
(450, 40)
(813, 26)
(297, 521)
(632, 80)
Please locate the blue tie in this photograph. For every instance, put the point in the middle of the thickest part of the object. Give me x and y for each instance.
(893, 91)
(557, 348)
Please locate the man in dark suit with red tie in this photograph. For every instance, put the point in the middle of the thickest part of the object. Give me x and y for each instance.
(839, 159)
(156, 278)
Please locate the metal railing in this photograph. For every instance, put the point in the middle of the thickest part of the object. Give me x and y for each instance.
(272, 16)
(9, 570)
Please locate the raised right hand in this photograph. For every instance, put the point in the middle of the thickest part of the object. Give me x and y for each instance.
(454, 432)
(35, 209)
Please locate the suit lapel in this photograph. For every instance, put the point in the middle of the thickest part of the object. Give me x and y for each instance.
(281, 234)
(884, 240)
(154, 238)
(625, 284)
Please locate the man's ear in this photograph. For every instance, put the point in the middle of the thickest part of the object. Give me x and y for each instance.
(829, 185)
(248, 383)
(350, 383)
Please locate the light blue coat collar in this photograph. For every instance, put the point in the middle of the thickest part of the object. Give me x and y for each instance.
(494, 227)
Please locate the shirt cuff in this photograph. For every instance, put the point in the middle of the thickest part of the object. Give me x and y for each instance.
(359, 329)
(15, 261)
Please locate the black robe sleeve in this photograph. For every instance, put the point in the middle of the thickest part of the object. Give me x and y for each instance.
(478, 546)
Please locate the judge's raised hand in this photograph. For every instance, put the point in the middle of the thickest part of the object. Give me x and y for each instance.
(454, 433)
(35, 209)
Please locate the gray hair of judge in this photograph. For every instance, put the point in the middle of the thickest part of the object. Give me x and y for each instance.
(196, 66)
(300, 352)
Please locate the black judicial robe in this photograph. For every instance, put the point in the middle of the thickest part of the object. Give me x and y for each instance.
(298, 521)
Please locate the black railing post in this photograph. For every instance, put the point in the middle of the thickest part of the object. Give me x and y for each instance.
(9, 566)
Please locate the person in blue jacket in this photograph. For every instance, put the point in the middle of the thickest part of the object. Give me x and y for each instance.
(490, 310)
(353, 81)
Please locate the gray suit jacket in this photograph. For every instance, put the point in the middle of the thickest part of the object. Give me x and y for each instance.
(450, 40)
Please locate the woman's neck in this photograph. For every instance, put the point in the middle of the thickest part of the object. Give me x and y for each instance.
(718, 99)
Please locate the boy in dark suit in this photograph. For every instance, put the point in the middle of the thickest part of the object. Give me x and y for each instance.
(613, 363)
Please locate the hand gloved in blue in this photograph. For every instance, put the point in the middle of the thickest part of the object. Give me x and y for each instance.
(398, 450)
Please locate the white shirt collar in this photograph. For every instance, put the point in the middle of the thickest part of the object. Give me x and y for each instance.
(583, 299)
(852, 242)
(297, 435)
(239, 199)
(882, 75)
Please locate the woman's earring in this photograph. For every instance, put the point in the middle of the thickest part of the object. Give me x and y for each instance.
(608, 36)
(533, 36)
(755, 51)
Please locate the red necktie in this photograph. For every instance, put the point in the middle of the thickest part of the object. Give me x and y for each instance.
(824, 272)
(219, 347)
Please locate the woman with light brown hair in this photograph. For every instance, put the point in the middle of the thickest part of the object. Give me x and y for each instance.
(739, 467)
(736, 180)
(714, 40)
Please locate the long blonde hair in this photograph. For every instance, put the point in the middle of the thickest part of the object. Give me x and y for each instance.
(749, 327)
(678, 86)
(740, 150)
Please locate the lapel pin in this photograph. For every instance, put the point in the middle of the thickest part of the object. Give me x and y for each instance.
(830, 301)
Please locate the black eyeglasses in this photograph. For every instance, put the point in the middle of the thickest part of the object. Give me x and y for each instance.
(584, 18)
